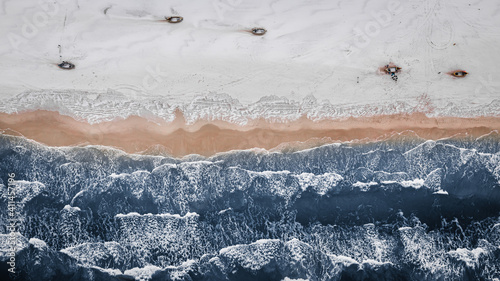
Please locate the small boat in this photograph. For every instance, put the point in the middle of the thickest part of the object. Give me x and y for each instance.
(459, 73)
(174, 19)
(258, 31)
(66, 65)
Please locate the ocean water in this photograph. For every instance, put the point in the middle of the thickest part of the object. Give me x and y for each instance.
(400, 209)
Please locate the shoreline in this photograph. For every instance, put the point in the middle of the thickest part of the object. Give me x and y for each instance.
(140, 135)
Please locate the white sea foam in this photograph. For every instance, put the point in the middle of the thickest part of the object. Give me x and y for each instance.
(441, 192)
(144, 273)
(112, 106)
(416, 183)
(137, 215)
(364, 186)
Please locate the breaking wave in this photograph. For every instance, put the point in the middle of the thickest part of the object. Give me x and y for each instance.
(399, 209)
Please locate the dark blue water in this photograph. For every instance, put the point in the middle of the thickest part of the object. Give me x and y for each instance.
(399, 209)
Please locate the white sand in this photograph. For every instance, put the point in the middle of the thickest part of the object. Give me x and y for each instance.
(311, 47)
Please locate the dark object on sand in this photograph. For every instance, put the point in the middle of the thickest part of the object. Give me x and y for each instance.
(174, 19)
(394, 77)
(458, 73)
(258, 31)
(392, 69)
(66, 65)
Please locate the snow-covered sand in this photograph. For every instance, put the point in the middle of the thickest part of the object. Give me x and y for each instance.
(328, 49)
